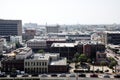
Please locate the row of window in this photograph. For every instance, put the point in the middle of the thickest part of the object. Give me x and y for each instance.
(37, 70)
(35, 63)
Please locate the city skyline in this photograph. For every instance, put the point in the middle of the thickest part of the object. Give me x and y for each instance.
(62, 11)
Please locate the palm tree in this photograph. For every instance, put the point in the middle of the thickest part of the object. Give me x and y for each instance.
(103, 64)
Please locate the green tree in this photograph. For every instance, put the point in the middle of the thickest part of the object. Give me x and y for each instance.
(103, 63)
(41, 51)
(18, 45)
(89, 60)
(83, 58)
(13, 70)
(113, 64)
(76, 55)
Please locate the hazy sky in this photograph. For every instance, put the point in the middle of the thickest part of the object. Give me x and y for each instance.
(62, 11)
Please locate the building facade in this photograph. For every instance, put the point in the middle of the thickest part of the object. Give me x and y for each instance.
(112, 37)
(10, 27)
(36, 44)
(45, 63)
(52, 29)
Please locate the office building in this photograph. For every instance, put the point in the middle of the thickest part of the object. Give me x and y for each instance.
(10, 27)
(52, 29)
(65, 49)
(29, 33)
(112, 37)
(90, 48)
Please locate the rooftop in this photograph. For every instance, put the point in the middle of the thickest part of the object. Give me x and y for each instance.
(62, 61)
(36, 40)
(63, 45)
(22, 51)
(43, 56)
(113, 32)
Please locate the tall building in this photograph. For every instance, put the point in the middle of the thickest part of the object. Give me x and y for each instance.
(112, 37)
(10, 27)
(52, 29)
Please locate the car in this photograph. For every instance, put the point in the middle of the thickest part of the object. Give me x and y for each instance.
(63, 75)
(117, 76)
(44, 75)
(35, 75)
(3, 75)
(106, 76)
(53, 75)
(107, 70)
(94, 75)
(72, 75)
(82, 75)
(13, 75)
(25, 75)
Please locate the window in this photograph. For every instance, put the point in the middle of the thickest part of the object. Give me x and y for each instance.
(45, 63)
(25, 63)
(39, 63)
(42, 63)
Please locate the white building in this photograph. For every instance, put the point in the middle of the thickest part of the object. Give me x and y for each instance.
(36, 44)
(1, 45)
(15, 39)
(23, 53)
(38, 63)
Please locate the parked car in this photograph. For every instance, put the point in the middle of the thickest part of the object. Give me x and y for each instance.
(106, 76)
(63, 75)
(53, 75)
(82, 75)
(93, 75)
(72, 75)
(44, 75)
(117, 75)
(35, 75)
(25, 75)
(13, 74)
(3, 75)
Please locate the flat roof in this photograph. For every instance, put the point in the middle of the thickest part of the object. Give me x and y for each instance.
(43, 56)
(113, 32)
(62, 61)
(63, 45)
(36, 40)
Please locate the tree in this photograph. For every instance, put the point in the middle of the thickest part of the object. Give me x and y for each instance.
(76, 55)
(112, 64)
(89, 60)
(13, 70)
(103, 64)
(41, 51)
(18, 45)
(82, 58)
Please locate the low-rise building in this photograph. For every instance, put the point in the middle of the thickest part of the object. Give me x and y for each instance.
(44, 63)
(1, 45)
(23, 53)
(16, 39)
(15, 59)
(36, 44)
(100, 56)
(65, 49)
